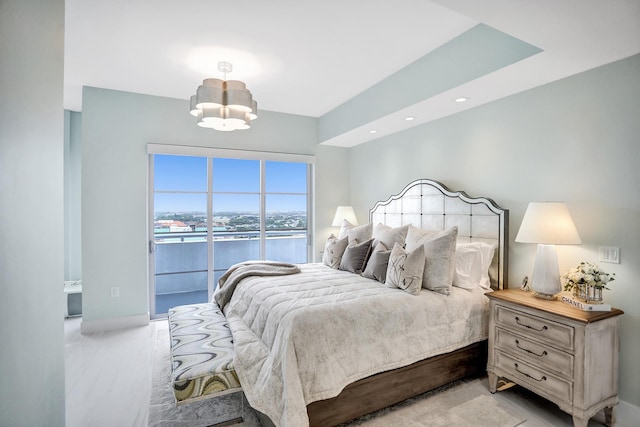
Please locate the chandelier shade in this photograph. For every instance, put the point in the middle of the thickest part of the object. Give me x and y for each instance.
(223, 105)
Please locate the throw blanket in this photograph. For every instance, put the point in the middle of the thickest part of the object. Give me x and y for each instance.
(302, 338)
(232, 277)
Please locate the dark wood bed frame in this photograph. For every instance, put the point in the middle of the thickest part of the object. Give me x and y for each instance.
(387, 388)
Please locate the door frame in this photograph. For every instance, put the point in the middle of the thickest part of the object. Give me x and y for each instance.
(210, 153)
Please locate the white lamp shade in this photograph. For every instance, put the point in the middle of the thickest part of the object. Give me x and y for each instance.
(342, 213)
(548, 223)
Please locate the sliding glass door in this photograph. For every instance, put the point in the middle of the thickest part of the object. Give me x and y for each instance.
(286, 209)
(236, 212)
(212, 212)
(180, 231)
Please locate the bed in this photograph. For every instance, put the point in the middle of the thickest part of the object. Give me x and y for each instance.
(327, 345)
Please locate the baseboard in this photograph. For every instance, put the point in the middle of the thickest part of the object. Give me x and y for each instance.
(103, 325)
(627, 414)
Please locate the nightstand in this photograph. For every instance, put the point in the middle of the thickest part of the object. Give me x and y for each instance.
(565, 355)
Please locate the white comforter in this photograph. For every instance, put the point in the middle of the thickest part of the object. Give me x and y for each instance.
(304, 337)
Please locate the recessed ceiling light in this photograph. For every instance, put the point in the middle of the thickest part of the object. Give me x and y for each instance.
(409, 118)
(462, 99)
(373, 131)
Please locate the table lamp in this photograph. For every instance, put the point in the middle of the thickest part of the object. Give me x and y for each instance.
(342, 213)
(547, 224)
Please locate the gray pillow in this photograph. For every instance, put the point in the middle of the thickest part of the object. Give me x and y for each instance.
(333, 251)
(355, 256)
(439, 253)
(377, 265)
(405, 269)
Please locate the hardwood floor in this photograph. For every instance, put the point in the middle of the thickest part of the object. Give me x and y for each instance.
(108, 381)
(108, 376)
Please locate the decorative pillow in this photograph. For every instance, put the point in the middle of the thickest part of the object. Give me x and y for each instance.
(355, 256)
(405, 269)
(472, 265)
(359, 233)
(389, 236)
(377, 265)
(333, 250)
(439, 252)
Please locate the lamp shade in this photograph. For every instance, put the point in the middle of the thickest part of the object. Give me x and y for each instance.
(224, 105)
(548, 223)
(342, 213)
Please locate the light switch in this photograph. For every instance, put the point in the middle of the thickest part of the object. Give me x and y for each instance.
(609, 254)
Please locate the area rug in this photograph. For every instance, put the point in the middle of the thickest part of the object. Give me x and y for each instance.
(459, 404)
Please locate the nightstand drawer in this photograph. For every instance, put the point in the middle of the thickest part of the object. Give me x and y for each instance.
(541, 355)
(545, 330)
(537, 380)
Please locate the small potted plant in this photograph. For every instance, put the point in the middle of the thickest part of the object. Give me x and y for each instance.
(587, 281)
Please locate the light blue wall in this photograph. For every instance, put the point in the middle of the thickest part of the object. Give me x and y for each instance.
(116, 128)
(32, 391)
(575, 140)
(72, 189)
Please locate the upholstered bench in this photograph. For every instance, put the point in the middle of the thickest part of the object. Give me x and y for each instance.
(201, 352)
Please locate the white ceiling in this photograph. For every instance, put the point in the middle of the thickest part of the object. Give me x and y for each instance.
(307, 58)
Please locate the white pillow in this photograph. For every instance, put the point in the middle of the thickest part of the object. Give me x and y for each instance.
(389, 236)
(360, 233)
(405, 269)
(472, 265)
(333, 250)
(439, 253)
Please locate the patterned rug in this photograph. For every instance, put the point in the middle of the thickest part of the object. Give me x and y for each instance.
(462, 403)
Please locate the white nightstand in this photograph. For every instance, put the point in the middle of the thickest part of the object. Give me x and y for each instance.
(73, 298)
(565, 355)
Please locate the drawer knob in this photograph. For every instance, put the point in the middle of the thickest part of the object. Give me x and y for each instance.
(515, 365)
(544, 328)
(544, 352)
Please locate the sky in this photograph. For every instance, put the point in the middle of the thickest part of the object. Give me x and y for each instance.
(180, 185)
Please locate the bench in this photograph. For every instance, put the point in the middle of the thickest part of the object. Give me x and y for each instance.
(201, 353)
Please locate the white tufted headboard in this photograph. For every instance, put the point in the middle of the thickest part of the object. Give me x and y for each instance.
(430, 205)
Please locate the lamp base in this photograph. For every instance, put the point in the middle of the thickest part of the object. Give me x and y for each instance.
(545, 296)
(545, 281)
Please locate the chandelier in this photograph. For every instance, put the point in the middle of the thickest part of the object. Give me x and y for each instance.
(223, 105)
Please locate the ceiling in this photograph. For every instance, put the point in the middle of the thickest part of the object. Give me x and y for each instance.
(308, 58)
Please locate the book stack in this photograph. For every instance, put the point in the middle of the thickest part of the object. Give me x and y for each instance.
(568, 299)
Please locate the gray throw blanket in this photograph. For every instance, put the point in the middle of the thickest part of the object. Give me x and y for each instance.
(230, 279)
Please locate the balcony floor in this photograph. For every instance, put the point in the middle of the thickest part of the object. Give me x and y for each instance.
(165, 301)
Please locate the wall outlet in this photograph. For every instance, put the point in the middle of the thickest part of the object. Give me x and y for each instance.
(115, 292)
(609, 254)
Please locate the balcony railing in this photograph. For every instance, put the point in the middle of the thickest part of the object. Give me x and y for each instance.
(181, 260)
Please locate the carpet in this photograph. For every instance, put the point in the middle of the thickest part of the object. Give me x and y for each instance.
(459, 404)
